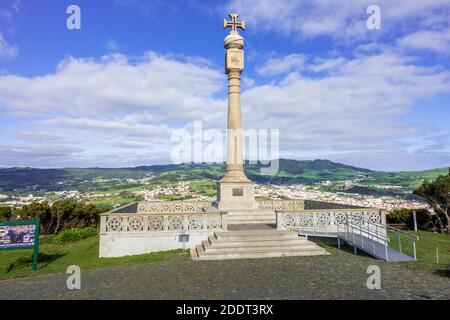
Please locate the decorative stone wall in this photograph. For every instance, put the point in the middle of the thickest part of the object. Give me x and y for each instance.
(282, 205)
(172, 206)
(147, 223)
(328, 220)
(137, 233)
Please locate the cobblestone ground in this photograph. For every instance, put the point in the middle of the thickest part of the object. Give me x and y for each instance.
(341, 275)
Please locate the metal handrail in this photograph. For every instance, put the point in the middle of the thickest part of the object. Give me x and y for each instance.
(404, 233)
(366, 229)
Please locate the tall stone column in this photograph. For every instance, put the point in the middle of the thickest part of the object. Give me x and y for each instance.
(234, 44)
(235, 190)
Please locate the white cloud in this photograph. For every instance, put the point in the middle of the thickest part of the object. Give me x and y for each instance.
(106, 105)
(438, 41)
(321, 65)
(115, 84)
(280, 65)
(111, 45)
(119, 111)
(7, 50)
(358, 107)
(340, 19)
(42, 154)
(9, 10)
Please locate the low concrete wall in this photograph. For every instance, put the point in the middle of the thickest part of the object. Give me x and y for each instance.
(126, 244)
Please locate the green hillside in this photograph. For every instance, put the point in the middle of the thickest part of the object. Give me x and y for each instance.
(290, 172)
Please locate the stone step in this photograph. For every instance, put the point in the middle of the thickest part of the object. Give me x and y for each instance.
(201, 254)
(257, 216)
(260, 243)
(309, 247)
(251, 218)
(258, 232)
(208, 248)
(256, 237)
(249, 214)
(255, 213)
(251, 211)
(252, 221)
(250, 242)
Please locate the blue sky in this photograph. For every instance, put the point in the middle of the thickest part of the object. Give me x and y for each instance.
(112, 93)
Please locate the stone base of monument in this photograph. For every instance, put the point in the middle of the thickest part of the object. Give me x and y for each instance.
(255, 244)
(236, 196)
(254, 216)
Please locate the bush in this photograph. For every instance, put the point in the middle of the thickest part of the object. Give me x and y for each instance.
(406, 216)
(73, 235)
(6, 213)
(398, 216)
(62, 215)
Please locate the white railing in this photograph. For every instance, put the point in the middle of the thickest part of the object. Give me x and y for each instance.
(324, 221)
(282, 205)
(172, 222)
(151, 207)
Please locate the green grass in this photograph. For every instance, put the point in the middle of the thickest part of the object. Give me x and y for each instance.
(55, 258)
(111, 202)
(426, 249)
(173, 197)
(203, 187)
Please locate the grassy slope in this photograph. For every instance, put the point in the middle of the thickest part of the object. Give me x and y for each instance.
(57, 257)
(410, 179)
(426, 249)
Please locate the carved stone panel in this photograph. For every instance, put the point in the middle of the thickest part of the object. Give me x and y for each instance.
(235, 59)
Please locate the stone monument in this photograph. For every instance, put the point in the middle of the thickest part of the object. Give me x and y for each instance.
(235, 191)
(203, 226)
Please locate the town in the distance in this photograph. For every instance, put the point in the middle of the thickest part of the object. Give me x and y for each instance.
(320, 180)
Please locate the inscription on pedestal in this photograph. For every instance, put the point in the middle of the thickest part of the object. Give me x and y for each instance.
(238, 192)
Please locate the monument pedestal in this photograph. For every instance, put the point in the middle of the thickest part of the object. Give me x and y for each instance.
(236, 196)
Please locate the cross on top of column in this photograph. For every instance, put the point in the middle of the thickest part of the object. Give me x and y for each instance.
(234, 24)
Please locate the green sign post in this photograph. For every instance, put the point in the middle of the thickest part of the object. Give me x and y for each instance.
(20, 235)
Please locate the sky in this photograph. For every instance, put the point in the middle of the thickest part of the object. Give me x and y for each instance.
(112, 93)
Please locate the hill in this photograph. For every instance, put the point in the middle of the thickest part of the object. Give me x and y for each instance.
(290, 172)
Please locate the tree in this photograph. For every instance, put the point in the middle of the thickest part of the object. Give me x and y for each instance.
(437, 194)
(36, 210)
(6, 213)
(405, 216)
(61, 215)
